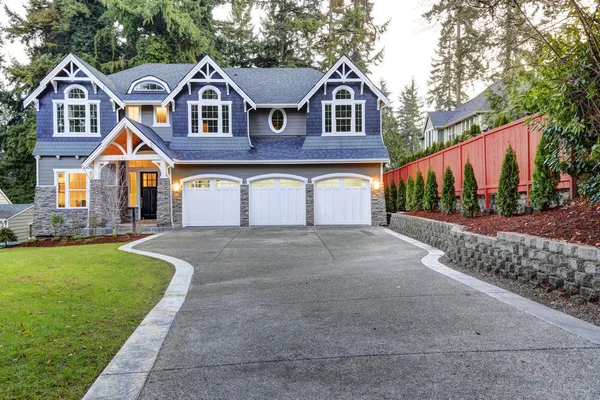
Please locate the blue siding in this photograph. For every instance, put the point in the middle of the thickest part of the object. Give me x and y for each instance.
(180, 115)
(314, 125)
(45, 122)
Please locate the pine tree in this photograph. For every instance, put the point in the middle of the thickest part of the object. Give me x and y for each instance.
(410, 119)
(507, 199)
(389, 129)
(470, 201)
(350, 30)
(430, 200)
(410, 194)
(401, 199)
(237, 42)
(419, 191)
(448, 200)
(393, 195)
(543, 193)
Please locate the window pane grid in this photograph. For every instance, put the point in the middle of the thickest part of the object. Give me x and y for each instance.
(195, 119)
(225, 117)
(210, 119)
(328, 118)
(60, 118)
(358, 118)
(94, 118)
(76, 117)
(343, 118)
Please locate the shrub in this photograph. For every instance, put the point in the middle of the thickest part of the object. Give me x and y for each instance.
(543, 192)
(401, 198)
(393, 195)
(419, 191)
(410, 194)
(448, 201)
(386, 193)
(7, 235)
(507, 198)
(56, 223)
(430, 200)
(77, 238)
(470, 202)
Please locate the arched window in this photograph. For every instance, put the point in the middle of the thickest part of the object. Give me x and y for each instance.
(76, 115)
(149, 87)
(209, 116)
(343, 115)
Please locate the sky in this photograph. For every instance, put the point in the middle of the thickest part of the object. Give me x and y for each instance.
(409, 44)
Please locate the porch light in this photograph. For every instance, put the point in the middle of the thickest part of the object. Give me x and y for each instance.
(176, 187)
(376, 185)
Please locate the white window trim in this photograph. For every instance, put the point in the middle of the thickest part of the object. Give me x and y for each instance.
(67, 193)
(285, 120)
(154, 123)
(147, 79)
(132, 106)
(353, 121)
(200, 102)
(66, 102)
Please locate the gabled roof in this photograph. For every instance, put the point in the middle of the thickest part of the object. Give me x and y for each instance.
(10, 210)
(96, 76)
(5, 197)
(171, 74)
(344, 60)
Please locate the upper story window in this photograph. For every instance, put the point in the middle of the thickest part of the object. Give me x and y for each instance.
(209, 116)
(277, 120)
(134, 113)
(161, 116)
(76, 115)
(149, 87)
(343, 115)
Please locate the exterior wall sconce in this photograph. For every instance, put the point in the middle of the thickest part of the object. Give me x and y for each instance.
(176, 187)
(376, 185)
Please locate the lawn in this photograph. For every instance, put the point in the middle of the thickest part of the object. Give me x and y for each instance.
(66, 311)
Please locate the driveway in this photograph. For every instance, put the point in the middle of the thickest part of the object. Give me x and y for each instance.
(340, 313)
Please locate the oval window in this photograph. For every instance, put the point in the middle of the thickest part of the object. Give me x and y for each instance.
(277, 120)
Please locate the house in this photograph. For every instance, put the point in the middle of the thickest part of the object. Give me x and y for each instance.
(4, 198)
(441, 126)
(200, 145)
(18, 218)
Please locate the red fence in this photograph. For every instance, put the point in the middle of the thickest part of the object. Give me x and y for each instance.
(486, 153)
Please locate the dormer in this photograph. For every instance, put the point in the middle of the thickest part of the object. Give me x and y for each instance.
(149, 84)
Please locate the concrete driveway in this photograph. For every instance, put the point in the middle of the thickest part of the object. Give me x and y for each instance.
(340, 313)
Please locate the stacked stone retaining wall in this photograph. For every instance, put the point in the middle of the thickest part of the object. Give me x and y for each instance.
(545, 262)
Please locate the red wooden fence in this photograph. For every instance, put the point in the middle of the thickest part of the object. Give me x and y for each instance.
(486, 153)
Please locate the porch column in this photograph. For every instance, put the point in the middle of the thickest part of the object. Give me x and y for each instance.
(378, 214)
(244, 205)
(163, 206)
(95, 203)
(310, 204)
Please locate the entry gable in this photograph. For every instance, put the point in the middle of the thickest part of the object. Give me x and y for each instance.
(344, 71)
(206, 71)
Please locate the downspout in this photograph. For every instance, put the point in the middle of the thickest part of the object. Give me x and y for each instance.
(248, 124)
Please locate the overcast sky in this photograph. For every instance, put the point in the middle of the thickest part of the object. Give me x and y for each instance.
(409, 43)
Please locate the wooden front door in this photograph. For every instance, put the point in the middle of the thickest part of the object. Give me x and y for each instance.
(149, 194)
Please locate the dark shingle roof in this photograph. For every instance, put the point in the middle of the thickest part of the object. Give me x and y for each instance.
(10, 210)
(153, 136)
(64, 148)
(172, 74)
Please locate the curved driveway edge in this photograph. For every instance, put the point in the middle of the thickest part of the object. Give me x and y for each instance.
(570, 324)
(126, 374)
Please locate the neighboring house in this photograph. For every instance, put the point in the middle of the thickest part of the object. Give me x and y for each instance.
(199, 145)
(441, 126)
(4, 198)
(17, 217)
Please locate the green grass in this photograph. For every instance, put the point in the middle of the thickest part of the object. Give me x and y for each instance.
(66, 311)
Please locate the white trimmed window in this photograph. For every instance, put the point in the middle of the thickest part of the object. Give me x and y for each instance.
(76, 115)
(161, 116)
(277, 120)
(71, 189)
(149, 87)
(343, 115)
(134, 113)
(209, 116)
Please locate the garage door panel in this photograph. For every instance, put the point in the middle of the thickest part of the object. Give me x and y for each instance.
(277, 202)
(211, 202)
(343, 201)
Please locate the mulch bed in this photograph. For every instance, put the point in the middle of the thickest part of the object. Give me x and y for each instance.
(87, 240)
(576, 222)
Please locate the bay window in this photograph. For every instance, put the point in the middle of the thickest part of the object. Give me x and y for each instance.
(76, 115)
(343, 115)
(209, 116)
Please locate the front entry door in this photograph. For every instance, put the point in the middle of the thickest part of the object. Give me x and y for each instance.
(149, 194)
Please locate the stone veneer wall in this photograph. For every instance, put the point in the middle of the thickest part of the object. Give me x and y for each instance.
(163, 206)
(527, 258)
(244, 205)
(45, 206)
(177, 208)
(310, 204)
(378, 214)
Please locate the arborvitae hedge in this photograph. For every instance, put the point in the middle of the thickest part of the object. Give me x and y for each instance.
(410, 194)
(419, 192)
(430, 200)
(470, 201)
(507, 198)
(386, 193)
(448, 200)
(401, 199)
(393, 195)
(543, 192)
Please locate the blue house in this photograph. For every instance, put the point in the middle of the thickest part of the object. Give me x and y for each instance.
(199, 145)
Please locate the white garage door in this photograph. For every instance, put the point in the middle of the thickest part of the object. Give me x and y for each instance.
(343, 201)
(277, 201)
(211, 202)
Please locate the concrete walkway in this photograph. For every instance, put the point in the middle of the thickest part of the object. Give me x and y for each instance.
(350, 313)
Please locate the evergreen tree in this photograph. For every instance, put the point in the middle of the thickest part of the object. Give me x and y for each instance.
(410, 119)
(393, 195)
(430, 199)
(448, 200)
(419, 191)
(389, 128)
(543, 193)
(6, 236)
(410, 194)
(507, 199)
(289, 31)
(350, 30)
(386, 193)
(236, 40)
(470, 201)
(401, 199)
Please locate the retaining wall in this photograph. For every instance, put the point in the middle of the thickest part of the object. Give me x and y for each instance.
(540, 261)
